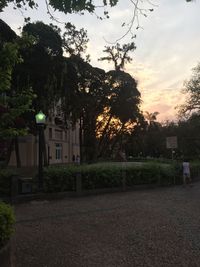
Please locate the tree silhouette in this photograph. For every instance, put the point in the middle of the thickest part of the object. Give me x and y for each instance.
(151, 117)
(118, 55)
(192, 92)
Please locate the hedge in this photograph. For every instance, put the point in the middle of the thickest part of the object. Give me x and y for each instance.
(7, 220)
(59, 179)
(98, 176)
(107, 175)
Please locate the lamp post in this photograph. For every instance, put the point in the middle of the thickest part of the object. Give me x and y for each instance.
(40, 121)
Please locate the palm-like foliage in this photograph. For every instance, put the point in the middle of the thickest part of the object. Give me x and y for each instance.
(151, 117)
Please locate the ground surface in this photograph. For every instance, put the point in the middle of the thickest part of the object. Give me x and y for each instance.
(154, 227)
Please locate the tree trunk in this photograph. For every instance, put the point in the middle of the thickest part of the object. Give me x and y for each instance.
(89, 141)
(80, 140)
(104, 132)
(118, 138)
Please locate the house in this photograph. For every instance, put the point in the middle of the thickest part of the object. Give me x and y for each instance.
(62, 145)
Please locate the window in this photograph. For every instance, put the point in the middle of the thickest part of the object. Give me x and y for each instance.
(58, 134)
(58, 151)
(50, 133)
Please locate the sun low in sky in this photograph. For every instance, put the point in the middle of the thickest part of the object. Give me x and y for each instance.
(167, 41)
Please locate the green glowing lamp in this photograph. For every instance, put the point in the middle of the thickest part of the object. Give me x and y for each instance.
(40, 118)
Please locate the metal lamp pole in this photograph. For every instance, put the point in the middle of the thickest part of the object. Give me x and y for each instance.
(40, 121)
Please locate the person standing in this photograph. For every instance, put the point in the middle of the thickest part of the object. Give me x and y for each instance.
(77, 159)
(186, 172)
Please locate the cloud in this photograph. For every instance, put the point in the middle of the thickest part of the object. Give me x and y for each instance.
(163, 101)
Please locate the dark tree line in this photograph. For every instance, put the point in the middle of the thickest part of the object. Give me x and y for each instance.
(150, 140)
(84, 92)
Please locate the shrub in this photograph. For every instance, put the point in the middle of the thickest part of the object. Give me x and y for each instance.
(5, 181)
(101, 176)
(151, 173)
(195, 170)
(7, 220)
(59, 179)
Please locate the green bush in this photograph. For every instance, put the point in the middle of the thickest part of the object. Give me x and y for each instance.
(195, 169)
(98, 176)
(5, 181)
(151, 173)
(7, 220)
(59, 179)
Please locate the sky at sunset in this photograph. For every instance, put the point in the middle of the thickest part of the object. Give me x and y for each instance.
(167, 46)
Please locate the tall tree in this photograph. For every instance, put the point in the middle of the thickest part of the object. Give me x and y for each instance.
(42, 65)
(122, 110)
(192, 92)
(85, 100)
(188, 137)
(124, 98)
(77, 78)
(41, 70)
(75, 41)
(13, 103)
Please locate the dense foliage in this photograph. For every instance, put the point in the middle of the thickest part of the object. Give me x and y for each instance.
(13, 101)
(66, 6)
(59, 179)
(192, 92)
(5, 181)
(96, 176)
(7, 220)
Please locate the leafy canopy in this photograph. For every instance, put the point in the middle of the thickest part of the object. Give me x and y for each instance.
(13, 103)
(66, 6)
(192, 92)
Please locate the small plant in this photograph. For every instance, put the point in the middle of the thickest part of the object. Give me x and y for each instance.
(7, 220)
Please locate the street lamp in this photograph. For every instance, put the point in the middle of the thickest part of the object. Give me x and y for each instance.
(40, 121)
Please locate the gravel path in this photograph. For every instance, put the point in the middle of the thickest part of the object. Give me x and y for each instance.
(155, 227)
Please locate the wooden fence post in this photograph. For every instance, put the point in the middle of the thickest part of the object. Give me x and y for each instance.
(123, 176)
(78, 183)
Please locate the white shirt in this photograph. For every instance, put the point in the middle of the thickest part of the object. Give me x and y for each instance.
(186, 168)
